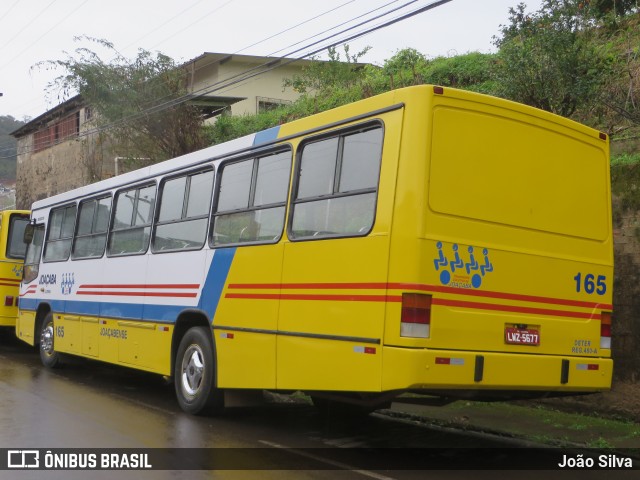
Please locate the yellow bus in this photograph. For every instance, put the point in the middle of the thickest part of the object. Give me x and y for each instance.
(12, 251)
(426, 240)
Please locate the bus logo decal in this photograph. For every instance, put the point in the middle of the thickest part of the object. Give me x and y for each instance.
(67, 283)
(461, 272)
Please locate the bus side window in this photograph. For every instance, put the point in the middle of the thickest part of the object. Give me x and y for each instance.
(337, 185)
(184, 212)
(131, 229)
(251, 200)
(91, 232)
(60, 233)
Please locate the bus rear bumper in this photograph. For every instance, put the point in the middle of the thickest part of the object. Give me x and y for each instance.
(422, 369)
(8, 320)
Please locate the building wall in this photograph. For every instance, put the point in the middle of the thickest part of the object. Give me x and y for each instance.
(268, 86)
(64, 166)
(68, 164)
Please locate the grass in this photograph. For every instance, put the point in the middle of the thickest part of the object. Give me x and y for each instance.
(538, 423)
(625, 159)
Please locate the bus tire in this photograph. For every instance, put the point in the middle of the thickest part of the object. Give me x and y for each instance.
(49, 357)
(194, 373)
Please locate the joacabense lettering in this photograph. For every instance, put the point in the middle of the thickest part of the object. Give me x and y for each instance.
(47, 279)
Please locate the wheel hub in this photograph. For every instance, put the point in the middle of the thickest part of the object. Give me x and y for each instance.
(192, 370)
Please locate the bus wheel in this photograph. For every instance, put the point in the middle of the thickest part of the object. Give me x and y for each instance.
(194, 373)
(49, 357)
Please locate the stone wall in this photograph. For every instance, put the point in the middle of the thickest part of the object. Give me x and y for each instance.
(65, 166)
(626, 297)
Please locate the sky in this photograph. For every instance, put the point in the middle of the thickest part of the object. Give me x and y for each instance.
(33, 31)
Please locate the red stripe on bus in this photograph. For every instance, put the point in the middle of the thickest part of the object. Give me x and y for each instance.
(502, 295)
(13, 280)
(308, 286)
(423, 288)
(513, 308)
(138, 294)
(159, 286)
(339, 298)
(9, 284)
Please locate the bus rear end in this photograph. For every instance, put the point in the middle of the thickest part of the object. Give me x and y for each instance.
(12, 251)
(503, 264)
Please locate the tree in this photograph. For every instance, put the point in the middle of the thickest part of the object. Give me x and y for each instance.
(8, 157)
(138, 103)
(548, 58)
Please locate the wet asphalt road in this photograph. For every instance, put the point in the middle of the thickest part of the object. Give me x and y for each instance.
(88, 404)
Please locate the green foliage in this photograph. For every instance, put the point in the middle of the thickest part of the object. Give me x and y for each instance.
(471, 71)
(625, 159)
(602, 8)
(326, 85)
(8, 156)
(625, 186)
(135, 98)
(228, 127)
(620, 99)
(320, 78)
(548, 59)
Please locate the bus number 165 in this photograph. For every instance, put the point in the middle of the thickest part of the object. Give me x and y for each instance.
(591, 284)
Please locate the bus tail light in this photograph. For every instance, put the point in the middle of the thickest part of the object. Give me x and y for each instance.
(605, 330)
(8, 301)
(416, 315)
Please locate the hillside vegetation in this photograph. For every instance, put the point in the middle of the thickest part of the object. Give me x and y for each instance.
(8, 148)
(579, 59)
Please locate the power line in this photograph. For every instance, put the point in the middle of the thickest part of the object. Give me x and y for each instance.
(213, 11)
(296, 26)
(176, 101)
(268, 66)
(252, 72)
(75, 9)
(9, 10)
(29, 23)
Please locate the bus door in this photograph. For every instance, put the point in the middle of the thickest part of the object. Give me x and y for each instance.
(248, 225)
(335, 263)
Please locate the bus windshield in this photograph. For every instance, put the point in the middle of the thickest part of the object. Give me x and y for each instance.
(16, 248)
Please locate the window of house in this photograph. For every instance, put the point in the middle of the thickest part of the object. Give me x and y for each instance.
(60, 233)
(251, 200)
(93, 224)
(266, 104)
(133, 213)
(337, 181)
(184, 212)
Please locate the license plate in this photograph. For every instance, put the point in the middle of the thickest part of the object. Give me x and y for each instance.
(516, 335)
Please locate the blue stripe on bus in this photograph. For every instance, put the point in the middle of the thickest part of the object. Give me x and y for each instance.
(266, 135)
(122, 311)
(216, 279)
(209, 298)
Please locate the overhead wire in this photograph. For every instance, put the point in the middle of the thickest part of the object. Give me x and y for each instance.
(268, 66)
(9, 10)
(28, 24)
(72, 12)
(207, 89)
(287, 60)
